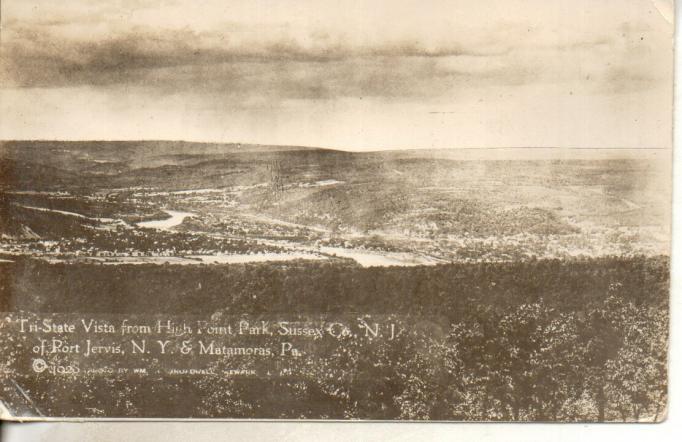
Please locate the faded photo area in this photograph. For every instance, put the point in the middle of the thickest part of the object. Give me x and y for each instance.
(380, 210)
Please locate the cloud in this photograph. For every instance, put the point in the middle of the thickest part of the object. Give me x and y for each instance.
(279, 67)
(245, 61)
(352, 74)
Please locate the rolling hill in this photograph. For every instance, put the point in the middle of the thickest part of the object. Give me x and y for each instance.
(440, 203)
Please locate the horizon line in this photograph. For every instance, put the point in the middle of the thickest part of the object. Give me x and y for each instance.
(356, 150)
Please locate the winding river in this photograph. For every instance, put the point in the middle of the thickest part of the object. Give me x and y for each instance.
(176, 218)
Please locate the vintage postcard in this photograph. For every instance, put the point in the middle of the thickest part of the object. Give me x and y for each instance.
(440, 210)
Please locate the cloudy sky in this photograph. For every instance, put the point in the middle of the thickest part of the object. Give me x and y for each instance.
(350, 74)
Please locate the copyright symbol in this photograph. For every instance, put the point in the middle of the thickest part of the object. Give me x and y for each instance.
(39, 365)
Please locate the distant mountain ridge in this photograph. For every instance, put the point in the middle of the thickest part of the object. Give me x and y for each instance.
(170, 147)
(462, 203)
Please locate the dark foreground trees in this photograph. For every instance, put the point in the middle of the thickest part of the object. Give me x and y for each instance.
(536, 363)
(581, 340)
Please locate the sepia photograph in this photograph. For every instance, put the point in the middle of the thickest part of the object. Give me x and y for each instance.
(438, 210)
